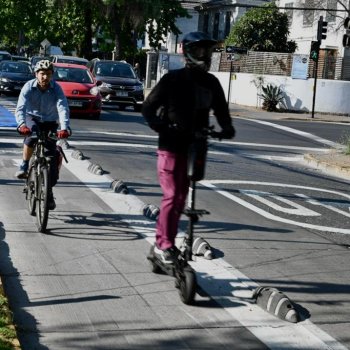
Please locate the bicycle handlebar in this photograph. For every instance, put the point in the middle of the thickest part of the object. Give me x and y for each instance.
(38, 119)
(210, 132)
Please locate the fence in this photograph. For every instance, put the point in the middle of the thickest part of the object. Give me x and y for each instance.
(254, 62)
(271, 63)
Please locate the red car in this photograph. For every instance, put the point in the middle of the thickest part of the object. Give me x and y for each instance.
(80, 88)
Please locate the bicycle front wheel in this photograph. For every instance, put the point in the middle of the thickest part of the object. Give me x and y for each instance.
(30, 195)
(42, 203)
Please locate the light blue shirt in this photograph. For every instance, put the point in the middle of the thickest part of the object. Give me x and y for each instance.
(51, 104)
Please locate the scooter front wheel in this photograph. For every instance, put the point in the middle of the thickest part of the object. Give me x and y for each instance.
(187, 284)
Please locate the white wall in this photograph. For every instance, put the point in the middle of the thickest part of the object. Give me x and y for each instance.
(332, 96)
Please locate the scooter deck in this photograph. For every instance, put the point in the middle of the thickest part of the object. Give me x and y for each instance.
(169, 269)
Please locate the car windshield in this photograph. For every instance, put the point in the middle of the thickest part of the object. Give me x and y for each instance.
(115, 70)
(74, 75)
(15, 67)
(4, 56)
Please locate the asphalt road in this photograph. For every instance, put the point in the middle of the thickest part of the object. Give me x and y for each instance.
(274, 222)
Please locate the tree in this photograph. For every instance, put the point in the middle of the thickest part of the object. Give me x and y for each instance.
(130, 19)
(262, 29)
(20, 22)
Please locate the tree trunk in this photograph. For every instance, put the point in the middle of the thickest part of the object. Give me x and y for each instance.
(86, 49)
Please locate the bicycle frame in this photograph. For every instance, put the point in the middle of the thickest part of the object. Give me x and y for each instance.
(38, 184)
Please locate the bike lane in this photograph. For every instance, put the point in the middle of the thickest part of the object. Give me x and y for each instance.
(86, 284)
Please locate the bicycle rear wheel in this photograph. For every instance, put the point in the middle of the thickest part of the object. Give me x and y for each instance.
(42, 202)
(30, 195)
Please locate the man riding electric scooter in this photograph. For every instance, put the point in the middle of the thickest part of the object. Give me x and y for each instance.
(177, 108)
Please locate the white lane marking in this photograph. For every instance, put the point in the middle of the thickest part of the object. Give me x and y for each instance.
(298, 132)
(225, 284)
(293, 209)
(291, 158)
(267, 215)
(133, 145)
(325, 205)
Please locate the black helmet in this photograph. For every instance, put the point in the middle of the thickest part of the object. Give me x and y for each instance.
(197, 48)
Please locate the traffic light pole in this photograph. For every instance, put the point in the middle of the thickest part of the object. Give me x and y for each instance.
(321, 34)
(315, 85)
(229, 84)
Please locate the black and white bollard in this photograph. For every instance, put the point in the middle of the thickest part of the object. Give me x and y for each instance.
(276, 303)
(118, 186)
(95, 169)
(76, 154)
(150, 211)
(201, 247)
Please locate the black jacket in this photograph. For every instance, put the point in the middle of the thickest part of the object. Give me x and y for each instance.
(180, 104)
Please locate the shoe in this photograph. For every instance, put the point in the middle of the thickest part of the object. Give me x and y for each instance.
(22, 172)
(52, 203)
(167, 256)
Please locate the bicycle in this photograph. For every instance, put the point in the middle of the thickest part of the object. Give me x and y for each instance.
(185, 276)
(38, 183)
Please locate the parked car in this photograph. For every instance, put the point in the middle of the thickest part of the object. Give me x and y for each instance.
(19, 58)
(80, 88)
(68, 59)
(13, 75)
(120, 84)
(4, 55)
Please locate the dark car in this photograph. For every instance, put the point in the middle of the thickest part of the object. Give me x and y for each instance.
(35, 59)
(120, 84)
(19, 58)
(4, 55)
(13, 75)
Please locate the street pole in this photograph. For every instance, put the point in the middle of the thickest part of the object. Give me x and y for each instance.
(229, 83)
(315, 85)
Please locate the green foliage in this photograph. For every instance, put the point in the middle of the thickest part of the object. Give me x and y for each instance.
(272, 96)
(345, 141)
(262, 29)
(71, 24)
(8, 337)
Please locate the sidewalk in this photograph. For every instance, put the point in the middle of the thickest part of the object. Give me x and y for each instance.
(258, 113)
(334, 163)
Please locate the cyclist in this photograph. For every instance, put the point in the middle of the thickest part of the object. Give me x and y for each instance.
(44, 97)
(176, 107)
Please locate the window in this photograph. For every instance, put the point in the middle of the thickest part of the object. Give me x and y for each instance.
(228, 23)
(289, 13)
(216, 25)
(206, 23)
(330, 15)
(308, 15)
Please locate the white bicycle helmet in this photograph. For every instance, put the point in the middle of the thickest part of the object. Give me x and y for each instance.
(43, 65)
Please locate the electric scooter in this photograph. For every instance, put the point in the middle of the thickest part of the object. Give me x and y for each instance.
(185, 277)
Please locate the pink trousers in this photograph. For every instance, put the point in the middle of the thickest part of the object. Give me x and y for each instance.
(172, 174)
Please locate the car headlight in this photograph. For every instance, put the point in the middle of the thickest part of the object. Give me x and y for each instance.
(5, 80)
(94, 91)
(106, 85)
(138, 87)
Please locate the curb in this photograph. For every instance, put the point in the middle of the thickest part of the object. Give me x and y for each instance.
(326, 167)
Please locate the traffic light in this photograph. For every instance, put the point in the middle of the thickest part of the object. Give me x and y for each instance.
(315, 48)
(321, 29)
(346, 36)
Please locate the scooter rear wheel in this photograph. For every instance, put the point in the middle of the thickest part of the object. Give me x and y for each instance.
(187, 286)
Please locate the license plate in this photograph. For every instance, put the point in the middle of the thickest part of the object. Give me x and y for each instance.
(18, 87)
(121, 93)
(75, 103)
